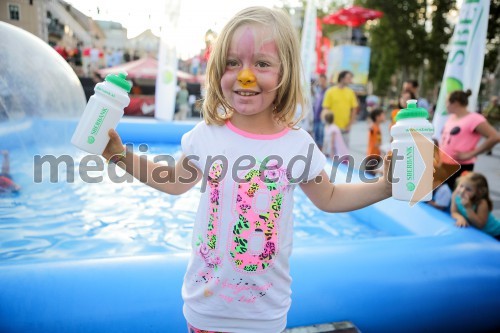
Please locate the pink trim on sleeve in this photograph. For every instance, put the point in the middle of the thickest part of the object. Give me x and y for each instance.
(256, 136)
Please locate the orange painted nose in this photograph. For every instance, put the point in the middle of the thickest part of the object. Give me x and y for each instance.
(246, 78)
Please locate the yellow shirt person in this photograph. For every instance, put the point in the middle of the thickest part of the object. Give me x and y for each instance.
(342, 101)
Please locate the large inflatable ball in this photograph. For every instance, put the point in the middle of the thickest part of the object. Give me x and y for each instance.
(34, 79)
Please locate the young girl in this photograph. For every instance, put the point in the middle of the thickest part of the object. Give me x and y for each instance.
(374, 152)
(333, 143)
(471, 204)
(245, 152)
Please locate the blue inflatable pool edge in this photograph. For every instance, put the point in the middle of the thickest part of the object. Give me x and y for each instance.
(370, 284)
(429, 277)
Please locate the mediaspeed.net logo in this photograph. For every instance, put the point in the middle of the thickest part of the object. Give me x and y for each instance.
(92, 168)
(433, 172)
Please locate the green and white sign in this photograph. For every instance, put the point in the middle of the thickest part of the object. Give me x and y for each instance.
(464, 68)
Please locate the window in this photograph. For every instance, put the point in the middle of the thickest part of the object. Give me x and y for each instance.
(14, 12)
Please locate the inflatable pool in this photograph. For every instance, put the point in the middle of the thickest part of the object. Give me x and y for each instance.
(411, 270)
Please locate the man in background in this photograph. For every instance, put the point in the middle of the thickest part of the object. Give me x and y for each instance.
(412, 86)
(343, 103)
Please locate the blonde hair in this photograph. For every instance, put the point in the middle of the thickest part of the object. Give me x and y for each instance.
(289, 90)
(481, 184)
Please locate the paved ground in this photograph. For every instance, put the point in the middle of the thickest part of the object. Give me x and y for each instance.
(487, 165)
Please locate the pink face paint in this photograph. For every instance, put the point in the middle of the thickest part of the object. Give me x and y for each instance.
(268, 47)
(246, 43)
(245, 49)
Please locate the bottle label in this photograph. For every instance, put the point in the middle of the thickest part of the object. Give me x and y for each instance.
(97, 125)
(421, 130)
(410, 168)
(107, 92)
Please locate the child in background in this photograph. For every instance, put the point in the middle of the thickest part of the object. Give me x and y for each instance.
(441, 195)
(374, 153)
(7, 185)
(238, 277)
(333, 143)
(403, 98)
(377, 117)
(471, 204)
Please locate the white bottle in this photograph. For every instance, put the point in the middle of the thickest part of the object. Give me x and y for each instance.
(103, 112)
(413, 154)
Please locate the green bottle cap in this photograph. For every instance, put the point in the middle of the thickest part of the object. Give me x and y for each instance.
(119, 80)
(412, 111)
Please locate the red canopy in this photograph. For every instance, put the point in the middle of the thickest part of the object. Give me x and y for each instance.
(144, 68)
(353, 16)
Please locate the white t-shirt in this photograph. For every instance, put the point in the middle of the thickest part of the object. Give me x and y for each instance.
(238, 276)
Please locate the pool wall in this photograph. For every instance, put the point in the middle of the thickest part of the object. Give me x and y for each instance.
(427, 277)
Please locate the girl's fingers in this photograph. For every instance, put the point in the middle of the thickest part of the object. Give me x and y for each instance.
(113, 134)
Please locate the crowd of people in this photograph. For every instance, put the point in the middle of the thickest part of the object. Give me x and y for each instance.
(87, 60)
(466, 134)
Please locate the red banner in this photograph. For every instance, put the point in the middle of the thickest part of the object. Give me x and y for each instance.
(322, 49)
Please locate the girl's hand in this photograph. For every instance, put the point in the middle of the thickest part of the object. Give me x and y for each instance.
(115, 145)
(461, 222)
(387, 175)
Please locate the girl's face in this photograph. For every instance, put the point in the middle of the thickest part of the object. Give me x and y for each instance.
(466, 190)
(252, 71)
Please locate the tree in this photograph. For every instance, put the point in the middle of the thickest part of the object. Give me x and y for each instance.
(397, 40)
(492, 60)
(438, 40)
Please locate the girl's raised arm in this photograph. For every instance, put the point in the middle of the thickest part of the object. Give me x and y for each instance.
(347, 197)
(172, 180)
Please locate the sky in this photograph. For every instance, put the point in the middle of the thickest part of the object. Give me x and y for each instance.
(196, 17)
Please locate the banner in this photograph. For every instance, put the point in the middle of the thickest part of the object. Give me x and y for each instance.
(308, 43)
(308, 56)
(166, 79)
(464, 67)
(323, 46)
(353, 58)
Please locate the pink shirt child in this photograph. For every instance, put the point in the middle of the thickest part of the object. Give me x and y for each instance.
(340, 149)
(459, 136)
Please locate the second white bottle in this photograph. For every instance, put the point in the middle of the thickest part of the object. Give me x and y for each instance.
(103, 112)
